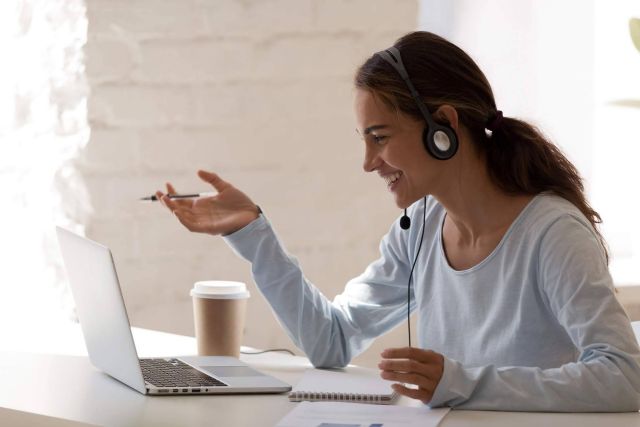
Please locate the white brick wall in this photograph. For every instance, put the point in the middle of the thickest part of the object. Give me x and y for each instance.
(259, 91)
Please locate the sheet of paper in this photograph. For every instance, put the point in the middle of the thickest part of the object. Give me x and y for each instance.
(340, 414)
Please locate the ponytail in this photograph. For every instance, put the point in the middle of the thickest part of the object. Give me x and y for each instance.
(520, 160)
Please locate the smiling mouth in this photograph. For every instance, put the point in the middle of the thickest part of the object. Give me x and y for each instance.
(392, 178)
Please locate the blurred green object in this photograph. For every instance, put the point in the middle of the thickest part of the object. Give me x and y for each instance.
(634, 29)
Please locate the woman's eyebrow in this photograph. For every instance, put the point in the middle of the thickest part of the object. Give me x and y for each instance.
(372, 128)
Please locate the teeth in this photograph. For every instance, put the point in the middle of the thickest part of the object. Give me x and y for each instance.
(390, 179)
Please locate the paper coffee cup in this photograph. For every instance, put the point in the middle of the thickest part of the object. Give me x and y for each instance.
(219, 309)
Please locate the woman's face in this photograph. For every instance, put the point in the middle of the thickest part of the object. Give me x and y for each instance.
(394, 149)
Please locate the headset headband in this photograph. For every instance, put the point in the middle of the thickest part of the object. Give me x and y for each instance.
(392, 56)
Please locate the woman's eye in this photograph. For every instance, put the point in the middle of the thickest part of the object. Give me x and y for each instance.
(379, 138)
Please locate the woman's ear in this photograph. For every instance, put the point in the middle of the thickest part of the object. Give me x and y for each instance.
(446, 114)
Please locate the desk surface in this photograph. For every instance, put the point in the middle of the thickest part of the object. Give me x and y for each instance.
(63, 384)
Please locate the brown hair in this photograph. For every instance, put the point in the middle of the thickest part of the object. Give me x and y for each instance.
(520, 160)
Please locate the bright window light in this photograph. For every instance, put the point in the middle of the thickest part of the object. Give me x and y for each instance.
(43, 124)
(616, 174)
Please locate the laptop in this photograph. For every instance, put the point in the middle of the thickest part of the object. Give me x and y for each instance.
(107, 332)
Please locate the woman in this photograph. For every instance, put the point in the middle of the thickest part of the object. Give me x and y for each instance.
(499, 250)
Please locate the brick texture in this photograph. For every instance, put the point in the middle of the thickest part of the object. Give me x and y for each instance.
(259, 91)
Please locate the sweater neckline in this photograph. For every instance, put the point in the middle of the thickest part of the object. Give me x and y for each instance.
(495, 250)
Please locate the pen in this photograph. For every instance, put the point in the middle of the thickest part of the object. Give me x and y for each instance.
(177, 196)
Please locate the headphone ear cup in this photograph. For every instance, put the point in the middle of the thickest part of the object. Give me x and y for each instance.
(441, 142)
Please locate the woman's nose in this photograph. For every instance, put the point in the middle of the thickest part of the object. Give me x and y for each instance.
(371, 160)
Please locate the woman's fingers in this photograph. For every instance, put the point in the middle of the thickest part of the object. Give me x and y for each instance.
(178, 202)
(190, 220)
(194, 219)
(185, 218)
(159, 195)
(171, 204)
(162, 198)
(224, 213)
(218, 183)
(424, 356)
(413, 393)
(410, 367)
(410, 378)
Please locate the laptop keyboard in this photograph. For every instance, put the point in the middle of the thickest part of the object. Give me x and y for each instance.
(174, 373)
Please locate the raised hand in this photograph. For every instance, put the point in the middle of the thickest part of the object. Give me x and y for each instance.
(224, 213)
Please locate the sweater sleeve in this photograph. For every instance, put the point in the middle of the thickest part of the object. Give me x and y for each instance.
(330, 333)
(575, 281)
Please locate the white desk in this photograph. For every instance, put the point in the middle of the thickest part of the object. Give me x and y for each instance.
(61, 383)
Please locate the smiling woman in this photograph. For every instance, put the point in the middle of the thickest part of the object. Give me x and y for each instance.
(519, 160)
(516, 308)
(403, 171)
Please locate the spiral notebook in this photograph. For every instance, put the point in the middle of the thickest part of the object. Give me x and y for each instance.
(358, 385)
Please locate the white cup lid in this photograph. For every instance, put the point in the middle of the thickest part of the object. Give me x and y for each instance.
(219, 289)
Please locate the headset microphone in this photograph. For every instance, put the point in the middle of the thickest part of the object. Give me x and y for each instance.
(405, 221)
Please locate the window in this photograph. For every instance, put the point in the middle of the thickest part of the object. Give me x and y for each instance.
(43, 124)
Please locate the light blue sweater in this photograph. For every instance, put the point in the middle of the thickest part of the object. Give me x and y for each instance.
(535, 326)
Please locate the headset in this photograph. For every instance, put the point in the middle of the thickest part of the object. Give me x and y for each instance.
(440, 141)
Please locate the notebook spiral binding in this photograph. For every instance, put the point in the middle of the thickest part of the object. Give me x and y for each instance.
(336, 396)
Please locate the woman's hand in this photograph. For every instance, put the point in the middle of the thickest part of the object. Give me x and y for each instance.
(415, 366)
(226, 212)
